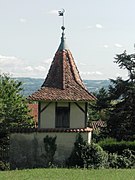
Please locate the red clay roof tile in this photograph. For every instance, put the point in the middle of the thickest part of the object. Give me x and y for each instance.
(40, 130)
(63, 82)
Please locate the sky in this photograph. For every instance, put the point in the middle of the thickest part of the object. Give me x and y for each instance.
(96, 30)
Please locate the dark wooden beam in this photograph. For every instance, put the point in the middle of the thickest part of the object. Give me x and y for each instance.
(45, 107)
(79, 107)
(69, 104)
(39, 118)
(56, 104)
(86, 111)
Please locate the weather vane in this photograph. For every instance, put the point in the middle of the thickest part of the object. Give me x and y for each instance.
(61, 13)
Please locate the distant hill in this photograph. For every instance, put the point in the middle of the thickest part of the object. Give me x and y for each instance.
(30, 85)
(95, 85)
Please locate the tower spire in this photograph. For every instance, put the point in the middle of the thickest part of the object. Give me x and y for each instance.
(61, 13)
(63, 45)
(63, 82)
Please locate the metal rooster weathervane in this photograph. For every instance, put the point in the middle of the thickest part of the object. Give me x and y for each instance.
(61, 13)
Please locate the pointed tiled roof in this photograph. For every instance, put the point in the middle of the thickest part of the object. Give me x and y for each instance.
(63, 82)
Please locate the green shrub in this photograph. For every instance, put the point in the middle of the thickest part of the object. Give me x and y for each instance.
(99, 135)
(87, 155)
(96, 136)
(113, 146)
(50, 149)
(75, 159)
(130, 155)
(4, 166)
(24, 153)
(4, 142)
(93, 156)
(112, 160)
(107, 140)
(125, 160)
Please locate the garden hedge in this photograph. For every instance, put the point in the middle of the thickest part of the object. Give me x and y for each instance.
(113, 146)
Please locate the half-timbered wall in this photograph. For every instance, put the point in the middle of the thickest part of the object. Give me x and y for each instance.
(77, 114)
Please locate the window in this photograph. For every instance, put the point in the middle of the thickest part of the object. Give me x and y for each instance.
(62, 117)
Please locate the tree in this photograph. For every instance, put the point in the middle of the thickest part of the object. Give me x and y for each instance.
(14, 110)
(75, 158)
(50, 149)
(121, 124)
(99, 108)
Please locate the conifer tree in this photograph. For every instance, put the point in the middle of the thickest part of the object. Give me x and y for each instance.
(13, 112)
(13, 106)
(121, 124)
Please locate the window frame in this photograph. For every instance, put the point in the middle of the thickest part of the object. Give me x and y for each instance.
(62, 109)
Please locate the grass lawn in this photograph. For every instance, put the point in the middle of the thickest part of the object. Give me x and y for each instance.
(69, 174)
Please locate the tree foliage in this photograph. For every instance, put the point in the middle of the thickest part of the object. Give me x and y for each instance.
(87, 155)
(117, 105)
(99, 108)
(121, 124)
(75, 158)
(50, 149)
(13, 106)
(125, 160)
(13, 112)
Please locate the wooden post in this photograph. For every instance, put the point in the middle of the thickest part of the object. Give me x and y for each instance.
(86, 111)
(39, 118)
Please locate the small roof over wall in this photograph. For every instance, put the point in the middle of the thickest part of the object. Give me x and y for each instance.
(63, 82)
(57, 130)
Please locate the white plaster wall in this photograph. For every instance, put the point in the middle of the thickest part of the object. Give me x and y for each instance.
(77, 117)
(64, 141)
(47, 117)
(62, 104)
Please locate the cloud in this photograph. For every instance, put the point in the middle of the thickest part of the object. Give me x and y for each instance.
(54, 11)
(28, 68)
(10, 61)
(118, 45)
(29, 71)
(18, 68)
(48, 61)
(23, 20)
(98, 73)
(35, 68)
(89, 27)
(106, 46)
(11, 65)
(99, 26)
(82, 64)
(40, 68)
(91, 73)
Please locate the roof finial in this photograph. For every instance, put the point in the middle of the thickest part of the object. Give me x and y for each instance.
(61, 13)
